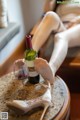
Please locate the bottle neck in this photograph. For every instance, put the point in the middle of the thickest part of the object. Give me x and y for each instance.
(28, 42)
(30, 54)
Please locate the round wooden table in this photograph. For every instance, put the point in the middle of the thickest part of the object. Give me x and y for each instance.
(64, 114)
(60, 98)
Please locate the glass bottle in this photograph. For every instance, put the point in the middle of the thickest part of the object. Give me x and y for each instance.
(30, 56)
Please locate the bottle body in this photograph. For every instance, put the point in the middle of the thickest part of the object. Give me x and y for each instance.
(30, 56)
(33, 75)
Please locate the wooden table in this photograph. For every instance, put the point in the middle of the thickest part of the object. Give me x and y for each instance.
(60, 95)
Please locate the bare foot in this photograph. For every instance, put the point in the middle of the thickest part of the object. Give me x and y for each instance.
(43, 68)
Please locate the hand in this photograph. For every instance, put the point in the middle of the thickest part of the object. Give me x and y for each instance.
(43, 68)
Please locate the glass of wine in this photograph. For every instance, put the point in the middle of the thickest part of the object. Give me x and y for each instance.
(20, 69)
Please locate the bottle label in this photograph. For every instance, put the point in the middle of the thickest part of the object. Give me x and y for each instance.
(30, 65)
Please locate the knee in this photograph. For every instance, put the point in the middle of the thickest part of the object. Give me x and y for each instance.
(57, 38)
(60, 37)
(52, 18)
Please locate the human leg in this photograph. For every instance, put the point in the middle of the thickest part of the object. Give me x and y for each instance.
(63, 40)
(51, 22)
(72, 35)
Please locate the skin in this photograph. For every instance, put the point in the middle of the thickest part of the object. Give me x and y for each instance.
(46, 72)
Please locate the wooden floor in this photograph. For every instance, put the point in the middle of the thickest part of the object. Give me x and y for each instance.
(75, 106)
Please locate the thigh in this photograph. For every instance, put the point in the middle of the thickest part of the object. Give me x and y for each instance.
(50, 22)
